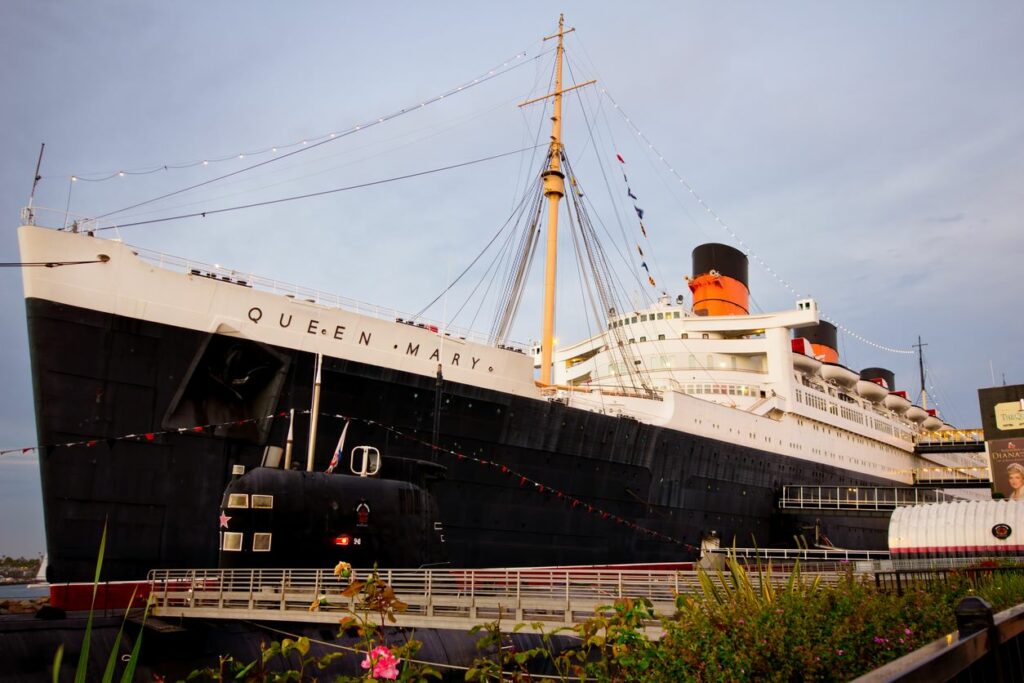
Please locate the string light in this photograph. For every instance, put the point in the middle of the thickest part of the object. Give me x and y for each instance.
(524, 481)
(725, 226)
(508, 65)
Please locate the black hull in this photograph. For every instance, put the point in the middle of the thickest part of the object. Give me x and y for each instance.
(100, 377)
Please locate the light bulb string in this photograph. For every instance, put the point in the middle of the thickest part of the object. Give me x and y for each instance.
(508, 65)
(725, 226)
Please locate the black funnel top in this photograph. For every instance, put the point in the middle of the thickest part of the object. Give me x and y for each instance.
(723, 258)
(823, 333)
(874, 373)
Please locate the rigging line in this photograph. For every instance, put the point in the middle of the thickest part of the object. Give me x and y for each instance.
(614, 197)
(540, 126)
(618, 217)
(50, 264)
(603, 281)
(490, 276)
(438, 130)
(670, 188)
(718, 219)
(502, 256)
(519, 268)
(372, 183)
(499, 70)
(331, 138)
(699, 199)
(472, 263)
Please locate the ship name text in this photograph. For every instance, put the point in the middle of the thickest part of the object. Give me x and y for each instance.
(341, 333)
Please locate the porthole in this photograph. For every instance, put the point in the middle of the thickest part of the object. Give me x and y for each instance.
(238, 500)
(232, 541)
(261, 543)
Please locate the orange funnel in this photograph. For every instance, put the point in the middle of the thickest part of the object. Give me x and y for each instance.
(823, 340)
(719, 283)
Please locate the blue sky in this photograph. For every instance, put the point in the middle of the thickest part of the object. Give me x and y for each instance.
(870, 154)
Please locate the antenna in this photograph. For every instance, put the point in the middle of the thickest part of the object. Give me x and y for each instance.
(29, 216)
(920, 363)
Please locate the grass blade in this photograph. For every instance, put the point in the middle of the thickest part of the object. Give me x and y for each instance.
(83, 656)
(108, 673)
(129, 671)
(57, 657)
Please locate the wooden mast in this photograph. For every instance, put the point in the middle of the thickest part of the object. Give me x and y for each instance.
(554, 190)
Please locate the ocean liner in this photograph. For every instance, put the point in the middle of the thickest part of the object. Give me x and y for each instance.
(155, 378)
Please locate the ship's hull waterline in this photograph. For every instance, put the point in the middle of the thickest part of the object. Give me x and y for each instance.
(100, 376)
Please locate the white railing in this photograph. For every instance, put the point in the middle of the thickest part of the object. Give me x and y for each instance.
(881, 498)
(436, 598)
(952, 475)
(951, 437)
(292, 291)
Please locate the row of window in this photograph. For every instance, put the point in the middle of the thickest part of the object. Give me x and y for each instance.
(232, 541)
(722, 389)
(710, 362)
(644, 317)
(259, 501)
(849, 414)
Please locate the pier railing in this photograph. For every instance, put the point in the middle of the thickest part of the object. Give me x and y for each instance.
(863, 498)
(985, 647)
(448, 598)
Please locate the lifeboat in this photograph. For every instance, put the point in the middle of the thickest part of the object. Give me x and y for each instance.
(916, 414)
(933, 422)
(872, 391)
(840, 375)
(803, 357)
(897, 402)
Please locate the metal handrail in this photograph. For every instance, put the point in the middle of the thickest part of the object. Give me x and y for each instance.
(857, 497)
(442, 598)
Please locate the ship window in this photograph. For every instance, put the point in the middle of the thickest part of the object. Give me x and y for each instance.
(634, 319)
(261, 543)
(643, 339)
(705, 336)
(238, 500)
(262, 502)
(661, 337)
(661, 316)
(232, 541)
(675, 314)
(684, 336)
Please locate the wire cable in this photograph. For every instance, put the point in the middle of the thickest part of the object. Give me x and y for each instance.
(269, 202)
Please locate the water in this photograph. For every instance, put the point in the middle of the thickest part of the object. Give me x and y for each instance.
(22, 592)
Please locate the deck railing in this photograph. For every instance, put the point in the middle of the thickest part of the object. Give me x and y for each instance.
(448, 598)
(874, 498)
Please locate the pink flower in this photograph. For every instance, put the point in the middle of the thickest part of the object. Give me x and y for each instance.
(383, 663)
(840, 652)
(907, 631)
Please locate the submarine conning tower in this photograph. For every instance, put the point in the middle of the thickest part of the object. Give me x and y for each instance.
(823, 340)
(874, 374)
(719, 282)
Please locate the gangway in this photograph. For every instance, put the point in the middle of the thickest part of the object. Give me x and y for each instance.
(950, 441)
(856, 500)
(953, 477)
(436, 598)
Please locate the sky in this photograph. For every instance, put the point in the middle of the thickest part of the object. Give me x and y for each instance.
(867, 154)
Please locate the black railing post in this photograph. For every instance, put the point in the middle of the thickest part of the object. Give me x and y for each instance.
(973, 615)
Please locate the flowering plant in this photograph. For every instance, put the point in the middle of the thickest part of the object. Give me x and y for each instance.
(381, 663)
